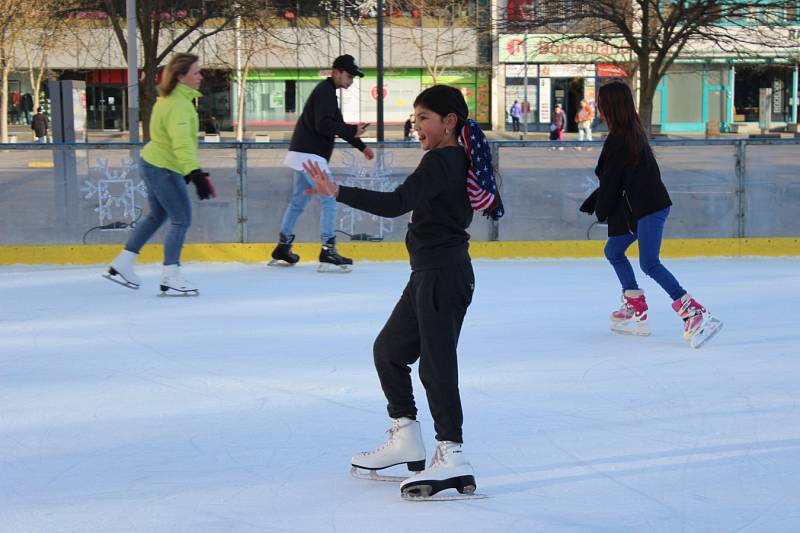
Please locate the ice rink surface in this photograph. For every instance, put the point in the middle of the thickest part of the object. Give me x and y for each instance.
(239, 410)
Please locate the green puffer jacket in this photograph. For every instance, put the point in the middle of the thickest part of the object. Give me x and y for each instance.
(173, 132)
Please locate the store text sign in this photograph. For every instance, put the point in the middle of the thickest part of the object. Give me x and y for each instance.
(560, 49)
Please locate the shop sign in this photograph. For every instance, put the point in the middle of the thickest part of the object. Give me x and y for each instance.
(566, 71)
(544, 100)
(611, 71)
(551, 48)
(518, 71)
(777, 96)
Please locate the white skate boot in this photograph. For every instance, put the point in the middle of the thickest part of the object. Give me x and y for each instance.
(449, 469)
(121, 270)
(173, 284)
(404, 446)
(631, 318)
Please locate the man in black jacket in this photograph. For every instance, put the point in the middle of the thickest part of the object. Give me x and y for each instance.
(39, 125)
(313, 138)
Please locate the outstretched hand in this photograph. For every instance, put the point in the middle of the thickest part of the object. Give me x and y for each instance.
(322, 185)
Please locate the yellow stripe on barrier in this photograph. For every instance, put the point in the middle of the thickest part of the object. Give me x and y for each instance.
(395, 251)
(40, 164)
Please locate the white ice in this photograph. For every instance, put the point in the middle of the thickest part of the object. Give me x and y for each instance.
(239, 410)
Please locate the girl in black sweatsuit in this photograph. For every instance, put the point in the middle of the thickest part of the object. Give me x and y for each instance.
(426, 322)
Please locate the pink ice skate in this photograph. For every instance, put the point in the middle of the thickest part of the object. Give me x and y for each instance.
(631, 318)
(698, 324)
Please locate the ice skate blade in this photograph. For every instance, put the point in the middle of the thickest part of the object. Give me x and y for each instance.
(373, 475)
(628, 328)
(445, 497)
(431, 489)
(329, 268)
(119, 280)
(280, 263)
(704, 334)
(171, 293)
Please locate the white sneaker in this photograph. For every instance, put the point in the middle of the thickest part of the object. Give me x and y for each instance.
(449, 469)
(173, 284)
(121, 270)
(404, 446)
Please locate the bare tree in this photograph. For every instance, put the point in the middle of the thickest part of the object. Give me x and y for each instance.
(44, 33)
(13, 17)
(656, 32)
(166, 27)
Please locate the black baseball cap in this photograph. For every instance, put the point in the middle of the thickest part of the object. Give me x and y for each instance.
(348, 63)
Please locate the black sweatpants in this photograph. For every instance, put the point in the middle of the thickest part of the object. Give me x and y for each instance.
(425, 325)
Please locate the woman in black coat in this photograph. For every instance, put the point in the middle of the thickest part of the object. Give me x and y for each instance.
(634, 202)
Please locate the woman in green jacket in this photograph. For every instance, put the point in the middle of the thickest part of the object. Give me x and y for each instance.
(169, 162)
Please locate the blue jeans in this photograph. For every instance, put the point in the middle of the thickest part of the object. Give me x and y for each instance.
(327, 215)
(168, 197)
(650, 230)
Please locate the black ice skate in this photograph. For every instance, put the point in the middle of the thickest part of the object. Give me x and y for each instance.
(449, 469)
(404, 447)
(331, 261)
(282, 255)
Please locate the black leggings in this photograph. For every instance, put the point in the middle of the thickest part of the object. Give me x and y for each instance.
(425, 325)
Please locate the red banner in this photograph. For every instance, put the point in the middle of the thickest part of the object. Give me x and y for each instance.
(611, 71)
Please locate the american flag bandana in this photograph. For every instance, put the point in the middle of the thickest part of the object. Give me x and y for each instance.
(481, 185)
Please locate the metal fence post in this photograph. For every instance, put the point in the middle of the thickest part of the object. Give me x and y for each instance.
(241, 192)
(494, 229)
(741, 173)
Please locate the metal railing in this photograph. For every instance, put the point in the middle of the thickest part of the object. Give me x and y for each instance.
(53, 193)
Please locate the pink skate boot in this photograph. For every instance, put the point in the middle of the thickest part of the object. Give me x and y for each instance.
(698, 324)
(631, 318)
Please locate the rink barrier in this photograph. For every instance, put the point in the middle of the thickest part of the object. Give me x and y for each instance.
(396, 251)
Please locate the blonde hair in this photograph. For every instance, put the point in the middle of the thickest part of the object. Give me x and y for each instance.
(179, 65)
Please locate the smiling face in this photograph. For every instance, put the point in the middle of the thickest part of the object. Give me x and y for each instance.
(432, 126)
(194, 77)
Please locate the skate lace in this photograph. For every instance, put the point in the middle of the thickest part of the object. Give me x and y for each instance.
(392, 431)
(440, 455)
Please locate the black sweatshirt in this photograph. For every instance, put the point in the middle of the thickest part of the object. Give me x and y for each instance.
(437, 193)
(320, 122)
(627, 192)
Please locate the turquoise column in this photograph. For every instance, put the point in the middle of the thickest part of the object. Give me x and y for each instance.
(794, 94)
(729, 93)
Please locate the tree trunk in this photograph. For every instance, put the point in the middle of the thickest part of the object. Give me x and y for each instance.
(148, 100)
(4, 100)
(646, 91)
(241, 84)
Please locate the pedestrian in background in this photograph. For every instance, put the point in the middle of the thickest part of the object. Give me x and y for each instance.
(40, 125)
(584, 118)
(558, 122)
(515, 112)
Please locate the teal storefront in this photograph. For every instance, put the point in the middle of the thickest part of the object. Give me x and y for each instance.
(693, 94)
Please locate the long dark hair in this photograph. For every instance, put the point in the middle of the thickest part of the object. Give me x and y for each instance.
(443, 100)
(179, 65)
(615, 102)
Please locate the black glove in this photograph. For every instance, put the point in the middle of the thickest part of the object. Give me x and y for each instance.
(205, 189)
(588, 206)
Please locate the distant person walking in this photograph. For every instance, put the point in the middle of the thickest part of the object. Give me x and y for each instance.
(515, 112)
(40, 125)
(635, 203)
(408, 128)
(558, 122)
(584, 118)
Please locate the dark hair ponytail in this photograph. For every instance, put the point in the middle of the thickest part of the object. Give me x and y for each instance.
(615, 101)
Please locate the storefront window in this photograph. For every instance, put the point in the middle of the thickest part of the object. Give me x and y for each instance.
(749, 81)
(515, 90)
(685, 94)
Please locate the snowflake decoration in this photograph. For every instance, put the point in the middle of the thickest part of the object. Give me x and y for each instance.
(376, 178)
(115, 191)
